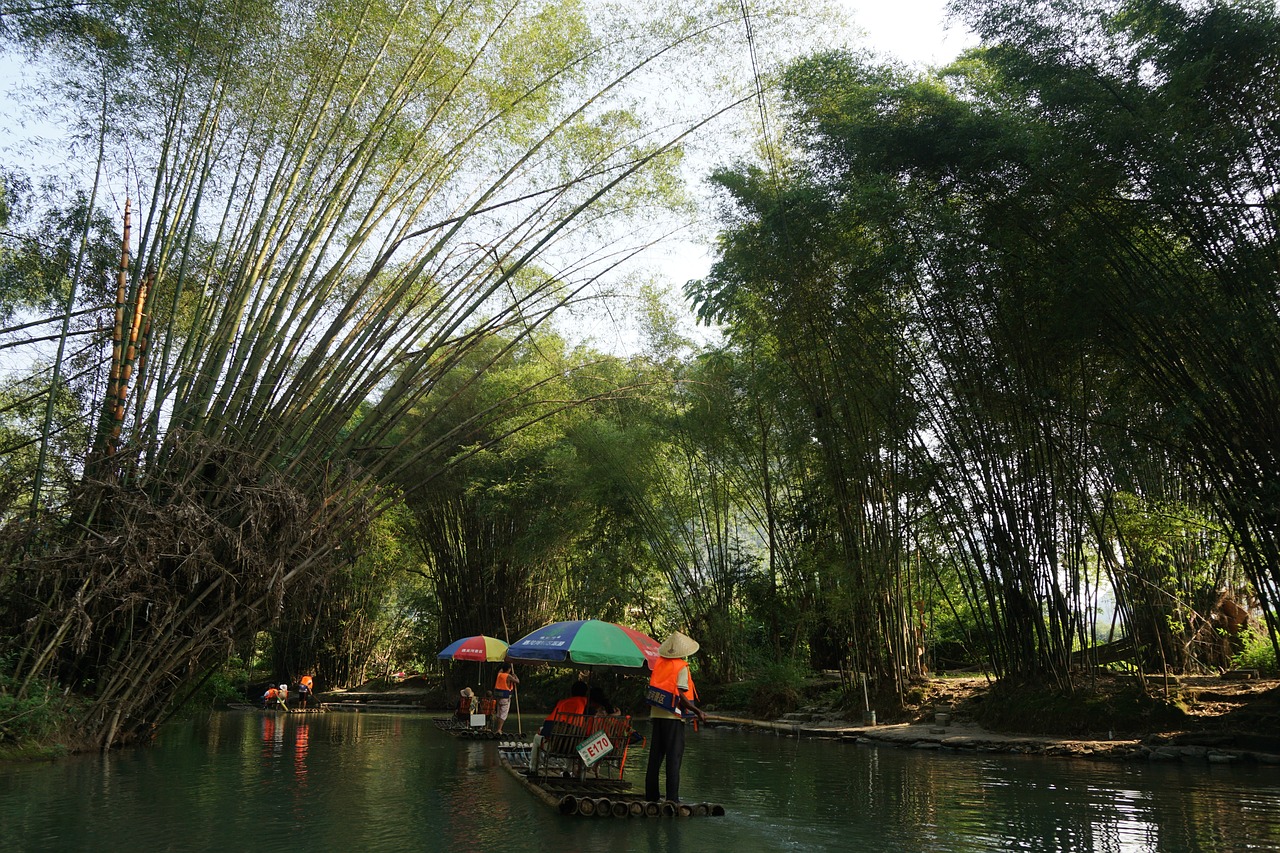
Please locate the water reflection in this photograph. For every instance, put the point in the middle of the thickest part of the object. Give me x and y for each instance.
(302, 739)
(272, 736)
(393, 782)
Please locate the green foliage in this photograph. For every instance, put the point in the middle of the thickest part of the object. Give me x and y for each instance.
(38, 716)
(226, 684)
(1259, 653)
(41, 232)
(772, 690)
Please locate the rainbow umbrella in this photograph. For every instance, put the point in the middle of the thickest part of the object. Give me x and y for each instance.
(478, 648)
(587, 642)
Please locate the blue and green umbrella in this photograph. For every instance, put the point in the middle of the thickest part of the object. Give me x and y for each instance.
(587, 642)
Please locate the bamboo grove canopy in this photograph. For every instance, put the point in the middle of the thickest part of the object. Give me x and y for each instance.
(332, 206)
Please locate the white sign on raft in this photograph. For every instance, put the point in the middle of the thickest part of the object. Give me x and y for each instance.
(594, 748)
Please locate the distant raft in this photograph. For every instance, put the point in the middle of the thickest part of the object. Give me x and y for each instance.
(461, 730)
(593, 797)
(274, 709)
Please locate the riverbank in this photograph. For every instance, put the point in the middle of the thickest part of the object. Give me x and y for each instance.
(970, 737)
(1198, 719)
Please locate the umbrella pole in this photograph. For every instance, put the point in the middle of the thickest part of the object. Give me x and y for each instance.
(515, 690)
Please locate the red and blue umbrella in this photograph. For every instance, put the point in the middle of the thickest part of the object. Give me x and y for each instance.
(477, 648)
(587, 642)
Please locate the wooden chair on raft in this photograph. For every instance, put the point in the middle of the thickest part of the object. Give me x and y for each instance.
(559, 753)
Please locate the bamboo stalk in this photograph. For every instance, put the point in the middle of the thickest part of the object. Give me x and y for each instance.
(106, 424)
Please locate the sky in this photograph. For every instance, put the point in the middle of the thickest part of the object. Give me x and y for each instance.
(914, 31)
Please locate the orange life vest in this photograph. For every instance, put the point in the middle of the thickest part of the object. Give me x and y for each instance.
(503, 686)
(488, 706)
(663, 692)
(306, 681)
(567, 709)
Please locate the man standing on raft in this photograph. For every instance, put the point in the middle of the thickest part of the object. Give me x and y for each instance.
(503, 688)
(670, 696)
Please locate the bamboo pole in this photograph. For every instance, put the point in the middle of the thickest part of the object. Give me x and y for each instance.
(127, 363)
(106, 426)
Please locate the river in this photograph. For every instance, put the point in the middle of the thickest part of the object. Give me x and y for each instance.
(240, 781)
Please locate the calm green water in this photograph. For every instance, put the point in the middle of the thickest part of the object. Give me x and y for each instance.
(392, 782)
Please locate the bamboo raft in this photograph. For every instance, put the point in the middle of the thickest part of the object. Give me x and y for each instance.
(245, 706)
(593, 797)
(459, 729)
(379, 707)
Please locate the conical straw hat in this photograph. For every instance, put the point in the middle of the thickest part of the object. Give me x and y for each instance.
(677, 645)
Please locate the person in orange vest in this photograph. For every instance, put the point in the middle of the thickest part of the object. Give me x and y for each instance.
(670, 696)
(270, 697)
(566, 709)
(466, 704)
(504, 688)
(306, 687)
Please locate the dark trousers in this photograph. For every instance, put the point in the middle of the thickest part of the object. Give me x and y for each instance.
(665, 743)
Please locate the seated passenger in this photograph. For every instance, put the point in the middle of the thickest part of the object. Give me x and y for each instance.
(566, 709)
(598, 703)
(465, 700)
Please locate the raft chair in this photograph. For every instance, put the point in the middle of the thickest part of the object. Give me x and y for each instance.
(574, 746)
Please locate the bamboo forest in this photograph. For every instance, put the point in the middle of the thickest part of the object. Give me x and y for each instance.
(300, 362)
